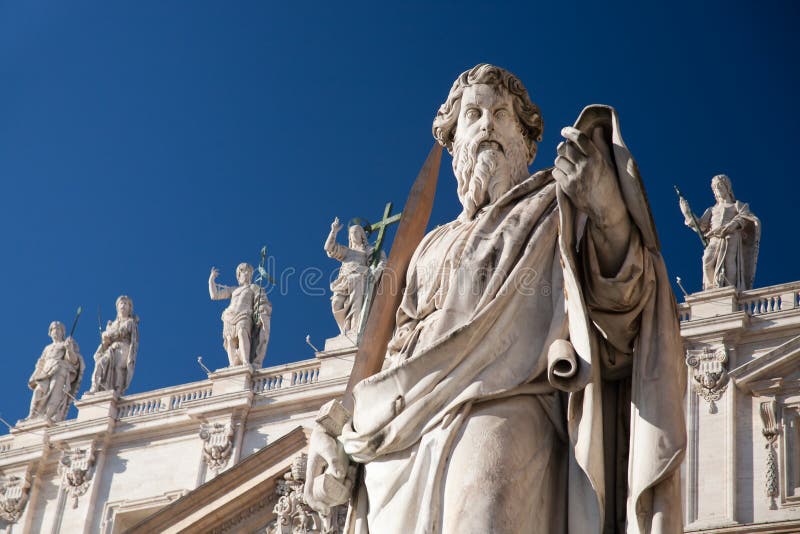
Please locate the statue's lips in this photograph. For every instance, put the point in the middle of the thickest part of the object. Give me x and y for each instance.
(490, 145)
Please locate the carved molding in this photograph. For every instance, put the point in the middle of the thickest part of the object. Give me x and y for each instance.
(14, 493)
(771, 430)
(710, 373)
(75, 469)
(112, 509)
(231, 524)
(217, 444)
(294, 515)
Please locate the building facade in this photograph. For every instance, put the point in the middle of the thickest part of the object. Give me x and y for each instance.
(219, 455)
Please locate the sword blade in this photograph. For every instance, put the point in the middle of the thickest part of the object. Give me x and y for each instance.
(381, 319)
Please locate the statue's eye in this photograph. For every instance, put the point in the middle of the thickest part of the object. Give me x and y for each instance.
(501, 114)
(472, 113)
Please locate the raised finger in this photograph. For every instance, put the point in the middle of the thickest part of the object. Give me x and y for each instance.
(583, 143)
(337, 468)
(316, 465)
(560, 177)
(565, 165)
(570, 151)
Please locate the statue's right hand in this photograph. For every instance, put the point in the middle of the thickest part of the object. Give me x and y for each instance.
(214, 274)
(336, 225)
(326, 456)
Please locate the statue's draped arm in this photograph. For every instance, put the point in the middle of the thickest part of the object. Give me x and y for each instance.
(333, 249)
(705, 221)
(219, 291)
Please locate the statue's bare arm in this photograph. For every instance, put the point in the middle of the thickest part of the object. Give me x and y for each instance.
(584, 170)
(217, 291)
(332, 248)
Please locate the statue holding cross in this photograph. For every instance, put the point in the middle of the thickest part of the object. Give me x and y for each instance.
(361, 265)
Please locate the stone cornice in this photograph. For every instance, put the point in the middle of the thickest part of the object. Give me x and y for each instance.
(766, 373)
(230, 493)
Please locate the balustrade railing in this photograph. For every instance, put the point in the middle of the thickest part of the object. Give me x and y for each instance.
(754, 302)
(291, 375)
(160, 400)
(769, 299)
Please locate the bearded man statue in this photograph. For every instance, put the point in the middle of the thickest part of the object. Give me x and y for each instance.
(535, 379)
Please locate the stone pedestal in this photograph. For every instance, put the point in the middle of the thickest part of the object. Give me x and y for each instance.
(340, 342)
(97, 405)
(231, 380)
(713, 303)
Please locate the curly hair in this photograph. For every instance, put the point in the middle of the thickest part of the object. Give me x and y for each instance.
(528, 115)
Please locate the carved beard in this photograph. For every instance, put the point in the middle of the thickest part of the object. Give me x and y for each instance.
(486, 176)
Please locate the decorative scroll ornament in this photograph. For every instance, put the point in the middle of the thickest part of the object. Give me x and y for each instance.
(217, 444)
(75, 468)
(769, 418)
(295, 516)
(710, 373)
(14, 491)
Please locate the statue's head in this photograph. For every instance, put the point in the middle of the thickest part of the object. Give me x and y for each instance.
(490, 127)
(721, 186)
(244, 273)
(124, 306)
(357, 237)
(57, 331)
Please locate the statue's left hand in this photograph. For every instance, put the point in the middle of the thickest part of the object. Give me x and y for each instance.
(585, 172)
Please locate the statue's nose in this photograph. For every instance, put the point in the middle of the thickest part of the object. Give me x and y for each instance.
(487, 124)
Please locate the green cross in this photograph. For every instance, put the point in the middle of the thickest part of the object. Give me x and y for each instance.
(380, 227)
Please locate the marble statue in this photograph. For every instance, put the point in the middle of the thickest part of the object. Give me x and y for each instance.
(245, 331)
(732, 234)
(115, 358)
(534, 380)
(353, 282)
(57, 376)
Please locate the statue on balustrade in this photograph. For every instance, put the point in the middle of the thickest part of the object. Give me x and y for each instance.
(57, 376)
(534, 378)
(356, 276)
(245, 330)
(730, 234)
(115, 358)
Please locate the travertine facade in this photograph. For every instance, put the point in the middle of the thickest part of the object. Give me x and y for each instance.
(743, 410)
(132, 456)
(123, 458)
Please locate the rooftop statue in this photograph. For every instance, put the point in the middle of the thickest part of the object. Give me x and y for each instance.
(535, 374)
(115, 358)
(57, 376)
(730, 235)
(353, 283)
(245, 330)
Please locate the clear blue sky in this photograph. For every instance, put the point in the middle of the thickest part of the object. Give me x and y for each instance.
(142, 143)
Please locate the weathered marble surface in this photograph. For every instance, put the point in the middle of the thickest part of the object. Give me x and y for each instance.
(115, 358)
(733, 234)
(57, 377)
(246, 320)
(466, 430)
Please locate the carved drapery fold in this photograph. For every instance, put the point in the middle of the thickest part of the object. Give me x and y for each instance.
(710, 374)
(769, 418)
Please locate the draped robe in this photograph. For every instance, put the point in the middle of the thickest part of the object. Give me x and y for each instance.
(512, 304)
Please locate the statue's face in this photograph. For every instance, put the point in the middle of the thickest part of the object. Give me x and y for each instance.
(243, 276)
(721, 193)
(357, 237)
(487, 113)
(56, 333)
(124, 308)
(489, 151)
